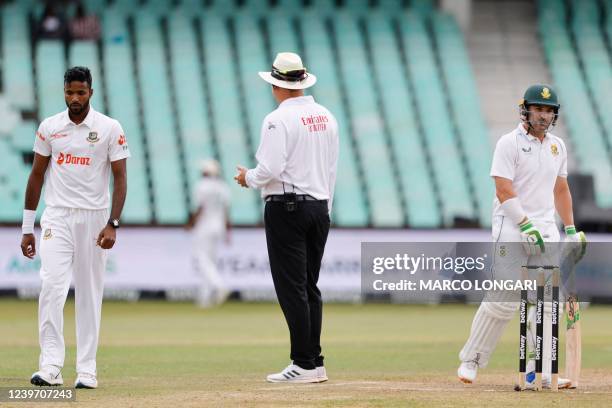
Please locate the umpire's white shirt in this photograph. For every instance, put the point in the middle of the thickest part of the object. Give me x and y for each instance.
(78, 175)
(533, 167)
(299, 147)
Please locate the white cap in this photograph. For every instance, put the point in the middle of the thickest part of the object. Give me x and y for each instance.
(288, 72)
(210, 167)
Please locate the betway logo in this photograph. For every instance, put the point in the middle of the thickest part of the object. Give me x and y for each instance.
(70, 159)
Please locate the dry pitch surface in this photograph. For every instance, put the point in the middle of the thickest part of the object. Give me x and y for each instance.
(157, 354)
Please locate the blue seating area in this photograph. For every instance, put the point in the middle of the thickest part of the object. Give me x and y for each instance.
(181, 77)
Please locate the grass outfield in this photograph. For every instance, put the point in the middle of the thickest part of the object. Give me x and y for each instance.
(158, 354)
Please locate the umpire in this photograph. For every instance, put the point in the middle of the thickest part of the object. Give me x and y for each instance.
(296, 172)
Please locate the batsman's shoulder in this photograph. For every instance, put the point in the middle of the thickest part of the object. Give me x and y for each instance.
(508, 140)
(558, 140)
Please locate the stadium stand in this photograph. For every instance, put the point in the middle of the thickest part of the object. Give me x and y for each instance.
(181, 77)
(18, 84)
(561, 48)
(122, 103)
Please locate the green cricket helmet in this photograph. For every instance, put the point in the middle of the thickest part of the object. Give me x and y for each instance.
(539, 95)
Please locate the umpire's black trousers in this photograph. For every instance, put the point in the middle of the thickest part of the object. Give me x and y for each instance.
(296, 241)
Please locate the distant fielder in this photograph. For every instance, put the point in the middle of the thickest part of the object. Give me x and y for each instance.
(530, 173)
(210, 221)
(75, 152)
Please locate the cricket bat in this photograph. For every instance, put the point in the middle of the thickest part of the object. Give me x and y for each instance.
(573, 341)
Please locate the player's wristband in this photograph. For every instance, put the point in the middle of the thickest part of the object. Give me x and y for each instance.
(570, 230)
(27, 226)
(525, 225)
(514, 210)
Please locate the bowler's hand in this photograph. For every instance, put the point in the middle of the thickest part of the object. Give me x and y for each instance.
(106, 238)
(241, 176)
(28, 245)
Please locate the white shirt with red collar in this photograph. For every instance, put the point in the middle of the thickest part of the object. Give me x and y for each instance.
(533, 167)
(78, 175)
(298, 148)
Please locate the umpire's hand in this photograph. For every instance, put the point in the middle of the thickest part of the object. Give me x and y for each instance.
(106, 238)
(241, 176)
(28, 245)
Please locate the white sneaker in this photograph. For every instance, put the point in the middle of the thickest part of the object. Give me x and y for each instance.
(220, 295)
(322, 374)
(295, 374)
(563, 383)
(467, 371)
(47, 377)
(85, 380)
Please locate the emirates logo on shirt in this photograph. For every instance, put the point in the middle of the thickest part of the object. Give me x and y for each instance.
(315, 123)
(121, 140)
(74, 160)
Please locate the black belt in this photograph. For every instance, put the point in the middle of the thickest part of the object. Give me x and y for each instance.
(298, 197)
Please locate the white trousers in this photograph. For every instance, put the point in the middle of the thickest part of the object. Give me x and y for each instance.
(497, 310)
(205, 246)
(68, 249)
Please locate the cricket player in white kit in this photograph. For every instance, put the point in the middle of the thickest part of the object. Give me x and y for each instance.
(211, 225)
(530, 173)
(75, 152)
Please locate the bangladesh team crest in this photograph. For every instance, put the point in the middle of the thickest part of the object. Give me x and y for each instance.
(93, 137)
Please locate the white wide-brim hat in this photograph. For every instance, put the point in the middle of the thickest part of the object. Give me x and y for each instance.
(288, 72)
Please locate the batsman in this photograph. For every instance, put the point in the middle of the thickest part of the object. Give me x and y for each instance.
(530, 173)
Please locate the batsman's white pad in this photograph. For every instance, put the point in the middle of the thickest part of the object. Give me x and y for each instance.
(487, 327)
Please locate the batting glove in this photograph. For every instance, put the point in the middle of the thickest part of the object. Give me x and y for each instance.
(575, 243)
(531, 238)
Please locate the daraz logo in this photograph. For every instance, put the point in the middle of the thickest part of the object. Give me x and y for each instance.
(70, 159)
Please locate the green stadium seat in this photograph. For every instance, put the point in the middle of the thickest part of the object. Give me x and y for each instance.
(282, 35)
(123, 106)
(192, 106)
(367, 125)
(592, 156)
(85, 53)
(22, 137)
(19, 88)
(252, 57)
(449, 172)
(50, 69)
(164, 156)
(349, 201)
(226, 115)
(455, 65)
(398, 107)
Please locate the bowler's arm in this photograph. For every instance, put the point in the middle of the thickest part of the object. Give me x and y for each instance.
(32, 197)
(36, 181)
(119, 169)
